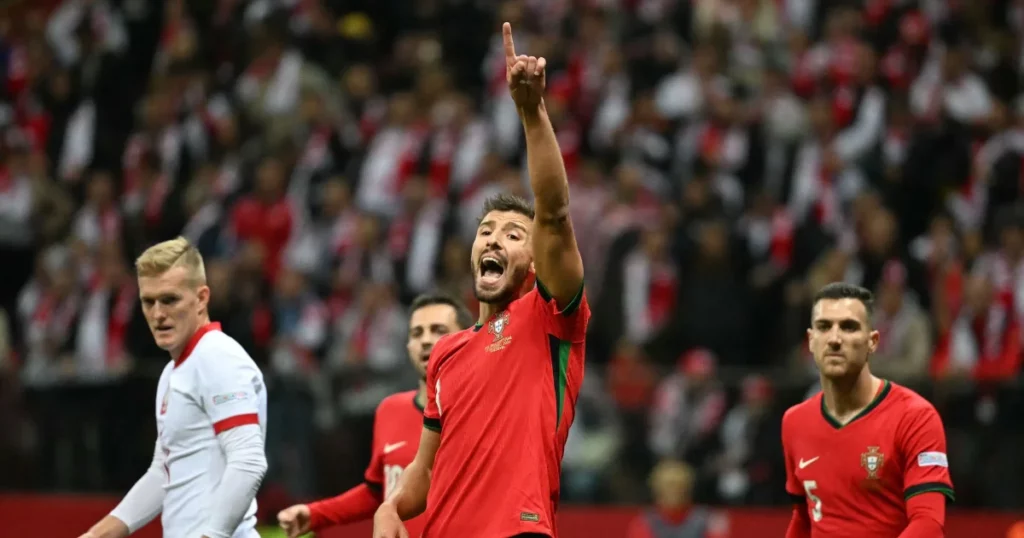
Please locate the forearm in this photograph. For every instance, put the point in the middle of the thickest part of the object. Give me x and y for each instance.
(410, 496)
(544, 161)
(356, 504)
(243, 473)
(926, 513)
(923, 528)
(142, 503)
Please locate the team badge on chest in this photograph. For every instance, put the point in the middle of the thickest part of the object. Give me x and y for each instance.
(496, 327)
(872, 461)
(163, 404)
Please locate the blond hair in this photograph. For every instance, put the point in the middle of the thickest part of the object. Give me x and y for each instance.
(161, 257)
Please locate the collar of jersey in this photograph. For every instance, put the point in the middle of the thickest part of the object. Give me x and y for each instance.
(883, 391)
(192, 342)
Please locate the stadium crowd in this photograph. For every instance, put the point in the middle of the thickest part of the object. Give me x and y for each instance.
(329, 158)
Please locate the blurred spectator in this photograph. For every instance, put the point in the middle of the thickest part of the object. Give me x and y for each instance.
(689, 406)
(673, 514)
(905, 340)
(748, 465)
(593, 445)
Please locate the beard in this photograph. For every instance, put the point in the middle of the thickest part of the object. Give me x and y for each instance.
(514, 281)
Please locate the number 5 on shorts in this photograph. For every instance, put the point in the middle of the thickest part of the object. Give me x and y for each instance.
(809, 487)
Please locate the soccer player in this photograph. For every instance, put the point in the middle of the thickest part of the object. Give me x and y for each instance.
(211, 409)
(396, 428)
(501, 395)
(864, 457)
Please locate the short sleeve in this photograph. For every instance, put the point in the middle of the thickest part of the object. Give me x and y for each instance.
(569, 323)
(923, 445)
(793, 487)
(432, 411)
(374, 475)
(232, 392)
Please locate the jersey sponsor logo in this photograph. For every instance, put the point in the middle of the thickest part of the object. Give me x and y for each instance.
(389, 448)
(529, 516)
(804, 463)
(230, 397)
(496, 327)
(932, 459)
(872, 461)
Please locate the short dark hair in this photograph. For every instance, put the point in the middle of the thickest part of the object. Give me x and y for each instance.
(842, 290)
(508, 202)
(462, 315)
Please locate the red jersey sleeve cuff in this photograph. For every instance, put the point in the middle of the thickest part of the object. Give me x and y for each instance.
(222, 426)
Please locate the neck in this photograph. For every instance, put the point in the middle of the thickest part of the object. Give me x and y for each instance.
(846, 397)
(489, 309)
(421, 394)
(204, 320)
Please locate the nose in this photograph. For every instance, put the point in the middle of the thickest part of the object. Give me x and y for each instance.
(834, 340)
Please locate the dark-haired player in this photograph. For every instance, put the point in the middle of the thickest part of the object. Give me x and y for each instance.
(864, 457)
(396, 428)
(501, 395)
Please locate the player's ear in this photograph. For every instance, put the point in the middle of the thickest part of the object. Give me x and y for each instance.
(873, 339)
(204, 296)
(809, 339)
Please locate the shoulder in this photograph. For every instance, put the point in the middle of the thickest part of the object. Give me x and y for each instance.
(218, 352)
(447, 345)
(909, 407)
(452, 341)
(800, 413)
(392, 402)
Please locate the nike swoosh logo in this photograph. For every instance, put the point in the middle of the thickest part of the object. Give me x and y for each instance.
(393, 447)
(808, 462)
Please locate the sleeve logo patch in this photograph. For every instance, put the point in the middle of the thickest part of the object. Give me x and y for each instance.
(229, 397)
(932, 459)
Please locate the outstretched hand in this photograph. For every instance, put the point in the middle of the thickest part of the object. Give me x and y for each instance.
(525, 74)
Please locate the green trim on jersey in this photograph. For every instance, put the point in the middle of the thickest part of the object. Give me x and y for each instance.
(416, 403)
(569, 308)
(559, 368)
(929, 487)
(886, 388)
(432, 424)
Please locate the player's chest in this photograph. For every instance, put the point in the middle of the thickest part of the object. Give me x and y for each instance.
(488, 367)
(181, 417)
(868, 461)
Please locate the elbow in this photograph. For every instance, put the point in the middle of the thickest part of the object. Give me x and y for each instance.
(551, 207)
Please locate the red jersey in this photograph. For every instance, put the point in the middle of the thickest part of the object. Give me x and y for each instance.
(397, 427)
(502, 396)
(396, 437)
(856, 478)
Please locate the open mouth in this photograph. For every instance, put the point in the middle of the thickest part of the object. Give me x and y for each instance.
(491, 269)
(163, 329)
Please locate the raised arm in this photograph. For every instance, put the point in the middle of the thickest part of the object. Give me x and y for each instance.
(556, 257)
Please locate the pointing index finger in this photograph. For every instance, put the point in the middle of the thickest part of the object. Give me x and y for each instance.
(510, 47)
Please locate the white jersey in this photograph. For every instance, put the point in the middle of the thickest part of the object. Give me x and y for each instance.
(212, 387)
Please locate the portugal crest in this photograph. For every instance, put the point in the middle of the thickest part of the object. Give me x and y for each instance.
(872, 461)
(497, 325)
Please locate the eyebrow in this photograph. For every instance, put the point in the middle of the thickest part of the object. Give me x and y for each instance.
(508, 224)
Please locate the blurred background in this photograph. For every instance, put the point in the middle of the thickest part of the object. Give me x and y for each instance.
(330, 157)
